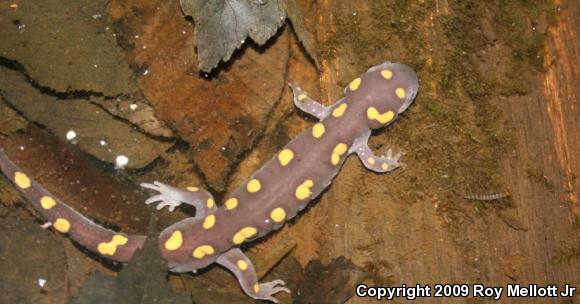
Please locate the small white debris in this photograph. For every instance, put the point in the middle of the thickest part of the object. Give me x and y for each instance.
(96, 65)
(133, 106)
(97, 16)
(70, 135)
(243, 40)
(46, 225)
(41, 282)
(21, 148)
(146, 72)
(121, 162)
(102, 142)
(354, 14)
(136, 36)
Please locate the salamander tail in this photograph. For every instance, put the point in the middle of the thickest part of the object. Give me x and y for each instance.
(64, 219)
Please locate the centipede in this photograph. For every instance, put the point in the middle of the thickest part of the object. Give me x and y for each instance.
(488, 196)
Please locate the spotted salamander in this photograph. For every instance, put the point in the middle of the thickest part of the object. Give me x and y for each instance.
(269, 198)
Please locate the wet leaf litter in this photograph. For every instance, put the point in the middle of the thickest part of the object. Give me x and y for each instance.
(221, 27)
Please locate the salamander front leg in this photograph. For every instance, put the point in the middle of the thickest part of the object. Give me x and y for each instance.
(379, 164)
(239, 264)
(308, 105)
(172, 197)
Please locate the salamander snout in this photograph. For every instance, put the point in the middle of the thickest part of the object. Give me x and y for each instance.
(385, 91)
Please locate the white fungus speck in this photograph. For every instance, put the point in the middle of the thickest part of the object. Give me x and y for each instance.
(41, 282)
(70, 135)
(121, 162)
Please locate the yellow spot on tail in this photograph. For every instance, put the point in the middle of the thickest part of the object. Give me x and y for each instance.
(244, 234)
(303, 191)
(257, 288)
(400, 92)
(242, 264)
(373, 114)
(371, 160)
(174, 241)
(318, 130)
(338, 111)
(278, 215)
(302, 97)
(47, 202)
(285, 156)
(385, 166)
(201, 251)
(387, 74)
(254, 186)
(61, 225)
(354, 84)
(21, 180)
(231, 203)
(210, 203)
(338, 151)
(209, 221)
(192, 189)
(119, 239)
(109, 248)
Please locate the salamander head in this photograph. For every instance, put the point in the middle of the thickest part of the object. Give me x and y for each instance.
(386, 90)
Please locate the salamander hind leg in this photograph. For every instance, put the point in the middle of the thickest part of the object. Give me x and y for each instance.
(239, 264)
(172, 197)
(307, 104)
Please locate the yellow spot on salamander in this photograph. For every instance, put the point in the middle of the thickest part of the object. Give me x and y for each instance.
(210, 203)
(338, 111)
(257, 288)
(285, 156)
(338, 151)
(244, 234)
(202, 251)
(231, 203)
(373, 114)
(174, 241)
(242, 265)
(61, 225)
(21, 180)
(278, 215)
(109, 248)
(371, 160)
(119, 239)
(318, 130)
(47, 202)
(400, 92)
(303, 191)
(353, 85)
(209, 221)
(387, 74)
(302, 97)
(192, 189)
(254, 186)
(385, 166)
